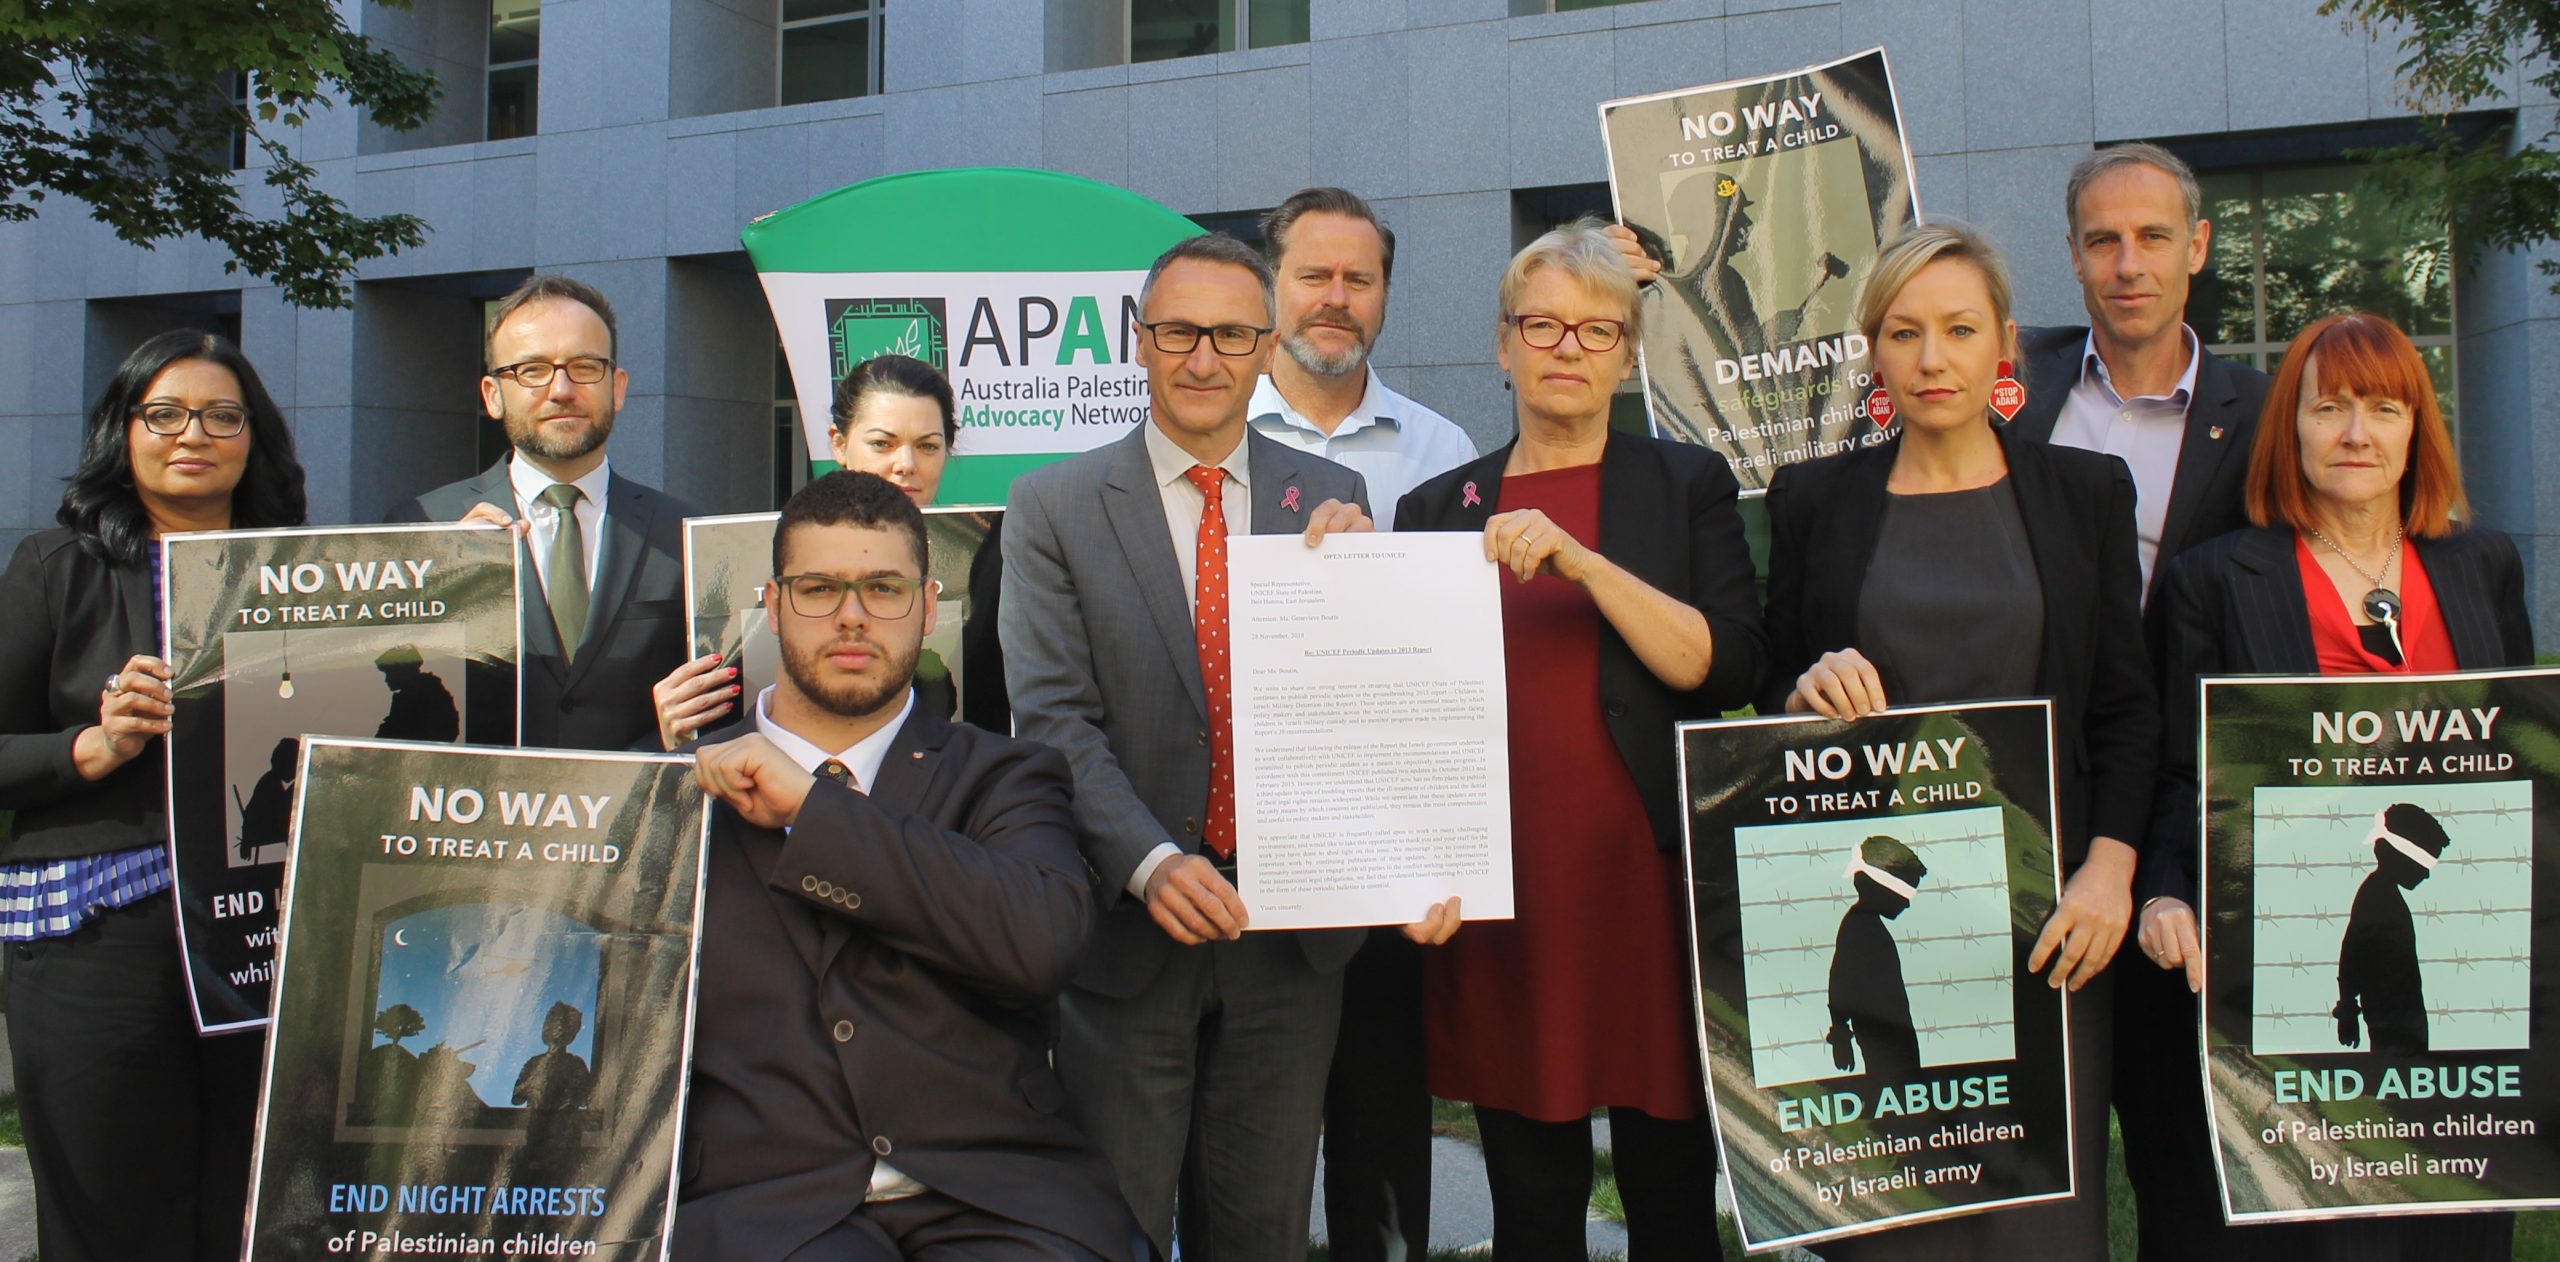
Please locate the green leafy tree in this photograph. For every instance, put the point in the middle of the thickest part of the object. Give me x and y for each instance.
(2457, 51)
(128, 105)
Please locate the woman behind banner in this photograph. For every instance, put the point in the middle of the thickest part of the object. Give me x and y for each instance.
(1957, 563)
(1633, 609)
(893, 416)
(138, 1131)
(2360, 563)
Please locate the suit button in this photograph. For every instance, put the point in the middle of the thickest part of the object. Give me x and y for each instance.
(1203, 738)
(880, 1144)
(1190, 825)
(852, 899)
(809, 883)
(1616, 709)
(844, 1031)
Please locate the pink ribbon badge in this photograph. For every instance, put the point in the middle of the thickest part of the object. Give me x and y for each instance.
(1290, 500)
(1467, 497)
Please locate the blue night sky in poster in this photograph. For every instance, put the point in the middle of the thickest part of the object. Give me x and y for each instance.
(488, 973)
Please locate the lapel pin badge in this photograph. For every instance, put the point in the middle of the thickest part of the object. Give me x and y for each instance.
(1467, 497)
(1289, 500)
(2214, 433)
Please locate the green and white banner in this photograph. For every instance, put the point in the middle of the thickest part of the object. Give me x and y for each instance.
(2379, 859)
(1019, 285)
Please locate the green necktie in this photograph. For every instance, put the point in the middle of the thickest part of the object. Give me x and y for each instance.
(565, 575)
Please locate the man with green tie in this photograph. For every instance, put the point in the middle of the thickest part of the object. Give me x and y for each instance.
(602, 576)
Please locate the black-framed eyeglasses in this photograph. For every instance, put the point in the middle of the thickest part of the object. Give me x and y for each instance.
(168, 420)
(887, 597)
(534, 374)
(1173, 337)
(1545, 332)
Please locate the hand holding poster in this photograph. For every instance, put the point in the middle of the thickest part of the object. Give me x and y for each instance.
(2379, 859)
(399, 632)
(1764, 199)
(1864, 898)
(484, 1005)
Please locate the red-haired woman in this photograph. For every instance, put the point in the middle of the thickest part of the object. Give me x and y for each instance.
(2362, 562)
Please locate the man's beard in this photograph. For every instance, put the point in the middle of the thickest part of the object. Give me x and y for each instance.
(1341, 364)
(850, 699)
(525, 433)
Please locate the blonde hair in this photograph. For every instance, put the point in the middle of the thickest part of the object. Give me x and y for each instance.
(1919, 246)
(1578, 250)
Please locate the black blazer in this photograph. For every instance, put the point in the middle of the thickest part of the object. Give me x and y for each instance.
(74, 618)
(1824, 517)
(2236, 606)
(635, 629)
(2205, 498)
(876, 983)
(1667, 516)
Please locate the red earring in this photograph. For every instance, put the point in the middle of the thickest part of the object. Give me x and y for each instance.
(2008, 395)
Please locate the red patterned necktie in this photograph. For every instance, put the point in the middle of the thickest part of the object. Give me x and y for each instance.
(1209, 626)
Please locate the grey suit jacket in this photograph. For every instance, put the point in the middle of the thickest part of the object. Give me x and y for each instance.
(635, 617)
(1103, 665)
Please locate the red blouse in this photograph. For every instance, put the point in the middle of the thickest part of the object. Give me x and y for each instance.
(2425, 646)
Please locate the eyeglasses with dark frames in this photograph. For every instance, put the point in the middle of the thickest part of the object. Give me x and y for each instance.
(534, 374)
(887, 597)
(1174, 337)
(1545, 332)
(168, 420)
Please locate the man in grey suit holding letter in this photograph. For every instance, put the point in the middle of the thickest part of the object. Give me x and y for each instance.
(1180, 1030)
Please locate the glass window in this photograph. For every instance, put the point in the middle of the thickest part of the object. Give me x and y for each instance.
(1162, 29)
(2293, 244)
(830, 50)
(515, 55)
(790, 451)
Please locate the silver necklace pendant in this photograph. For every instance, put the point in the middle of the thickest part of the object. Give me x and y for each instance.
(2382, 604)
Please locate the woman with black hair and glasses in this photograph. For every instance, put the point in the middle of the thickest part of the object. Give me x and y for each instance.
(137, 1129)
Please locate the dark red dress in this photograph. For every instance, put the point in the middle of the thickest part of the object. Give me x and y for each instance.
(1581, 1000)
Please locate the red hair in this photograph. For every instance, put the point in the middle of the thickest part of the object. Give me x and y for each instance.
(2368, 356)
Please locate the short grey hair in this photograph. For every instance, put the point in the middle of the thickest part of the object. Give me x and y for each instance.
(1919, 246)
(1580, 251)
(1215, 247)
(2137, 153)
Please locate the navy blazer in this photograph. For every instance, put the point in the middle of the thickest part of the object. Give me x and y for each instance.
(1824, 519)
(877, 983)
(2205, 498)
(635, 630)
(1667, 516)
(2236, 606)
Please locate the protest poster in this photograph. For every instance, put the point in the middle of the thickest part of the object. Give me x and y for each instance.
(1765, 199)
(2378, 871)
(1019, 285)
(1863, 901)
(529, 917)
(727, 560)
(398, 632)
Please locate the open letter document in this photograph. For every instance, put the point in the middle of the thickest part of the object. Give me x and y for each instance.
(1372, 751)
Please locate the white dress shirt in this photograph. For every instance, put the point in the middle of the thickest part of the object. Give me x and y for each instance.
(2146, 430)
(1183, 505)
(542, 521)
(863, 759)
(1394, 442)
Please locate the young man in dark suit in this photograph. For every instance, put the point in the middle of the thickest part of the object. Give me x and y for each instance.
(891, 904)
(602, 575)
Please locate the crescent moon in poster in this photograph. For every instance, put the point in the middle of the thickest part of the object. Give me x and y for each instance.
(399, 938)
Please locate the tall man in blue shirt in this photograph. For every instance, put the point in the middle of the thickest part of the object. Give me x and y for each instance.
(1332, 259)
